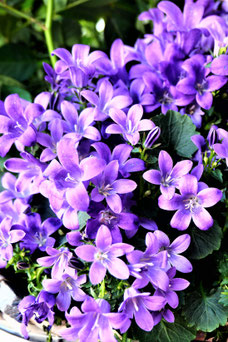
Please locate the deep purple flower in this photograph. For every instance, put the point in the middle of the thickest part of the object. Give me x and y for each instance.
(38, 233)
(40, 307)
(198, 84)
(67, 286)
(138, 304)
(168, 178)
(105, 257)
(191, 204)
(129, 125)
(109, 187)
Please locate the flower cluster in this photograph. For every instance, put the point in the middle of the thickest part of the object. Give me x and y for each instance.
(82, 150)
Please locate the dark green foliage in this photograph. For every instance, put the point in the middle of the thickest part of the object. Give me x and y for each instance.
(176, 132)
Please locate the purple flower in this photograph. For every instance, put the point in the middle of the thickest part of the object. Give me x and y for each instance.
(105, 101)
(121, 153)
(7, 237)
(67, 286)
(191, 204)
(109, 187)
(175, 284)
(59, 258)
(138, 304)
(149, 266)
(221, 149)
(169, 176)
(198, 84)
(105, 257)
(129, 125)
(16, 124)
(9, 182)
(78, 126)
(95, 323)
(40, 307)
(179, 245)
(68, 178)
(37, 233)
(31, 172)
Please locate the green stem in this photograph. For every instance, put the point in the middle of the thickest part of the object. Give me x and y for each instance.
(73, 4)
(102, 289)
(124, 338)
(22, 15)
(47, 32)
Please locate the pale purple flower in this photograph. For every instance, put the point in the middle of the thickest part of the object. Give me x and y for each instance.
(129, 125)
(105, 256)
(9, 182)
(175, 284)
(139, 305)
(221, 149)
(67, 286)
(78, 126)
(59, 258)
(8, 234)
(105, 101)
(96, 323)
(191, 204)
(30, 172)
(149, 266)
(179, 245)
(16, 124)
(168, 177)
(121, 153)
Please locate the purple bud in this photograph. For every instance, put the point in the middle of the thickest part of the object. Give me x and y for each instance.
(152, 136)
(212, 135)
(22, 265)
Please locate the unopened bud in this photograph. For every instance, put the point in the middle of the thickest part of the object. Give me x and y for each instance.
(22, 265)
(152, 136)
(212, 135)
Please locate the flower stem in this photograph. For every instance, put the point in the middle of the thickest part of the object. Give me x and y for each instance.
(47, 31)
(20, 14)
(124, 337)
(102, 289)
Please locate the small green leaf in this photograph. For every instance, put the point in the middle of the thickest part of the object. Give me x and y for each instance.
(217, 174)
(176, 133)
(204, 242)
(9, 81)
(168, 332)
(205, 312)
(82, 218)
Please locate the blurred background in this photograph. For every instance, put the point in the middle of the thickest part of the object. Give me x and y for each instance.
(24, 44)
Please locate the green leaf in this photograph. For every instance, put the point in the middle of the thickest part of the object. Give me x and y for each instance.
(16, 61)
(176, 132)
(82, 218)
(6, 80)
(204, 242)
(24, 94)
(224, 292)
(205, 312)
(217, 174)
(168, 332)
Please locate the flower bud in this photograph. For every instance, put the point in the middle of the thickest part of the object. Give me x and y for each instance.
(152, 136)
